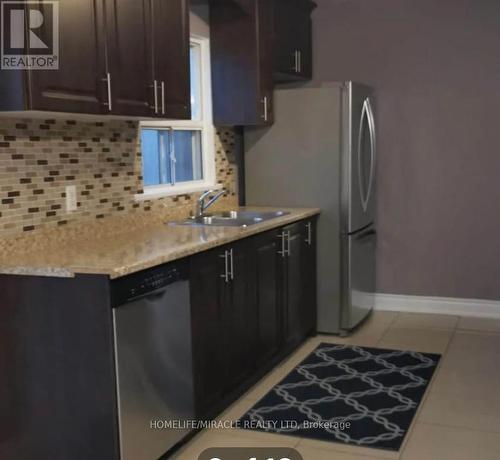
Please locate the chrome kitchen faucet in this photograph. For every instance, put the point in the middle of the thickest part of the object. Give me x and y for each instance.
(202, 206)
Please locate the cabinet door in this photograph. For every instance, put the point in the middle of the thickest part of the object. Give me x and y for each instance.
(293, 40)
(208, 291)
(265, 36)
(304, 44)
(293, 282)
(241, 317)
(171, 57)
(309, 306)
(128, 29)
(267, 297)
(285, 20)
(241, 46)
(79, 85)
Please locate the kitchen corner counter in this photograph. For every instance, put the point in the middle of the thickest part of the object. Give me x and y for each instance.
(126, 252)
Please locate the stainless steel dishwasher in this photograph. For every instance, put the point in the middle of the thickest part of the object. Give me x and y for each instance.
(152, 327)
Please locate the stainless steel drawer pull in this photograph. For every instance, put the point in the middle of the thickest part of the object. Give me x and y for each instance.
(225, 275)
(265, 116)
(283, 251)
(309, 233)
(154, 107)
(231, 254)
(155, 89)
(163, 97)
(285, 244)
(109, 103)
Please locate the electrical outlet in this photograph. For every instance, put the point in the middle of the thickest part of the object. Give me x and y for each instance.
(71, 204)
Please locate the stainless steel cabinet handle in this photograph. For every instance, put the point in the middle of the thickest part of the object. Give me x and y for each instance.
(156, 95)
(265, 102)
(309, 233)
(283, 252)
(155, 92)
(285, 244)
(296, 64)
(163, 97)
(108, 83)
(231, 254)
(225, 275)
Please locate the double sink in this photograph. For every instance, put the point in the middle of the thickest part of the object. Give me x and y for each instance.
(232, 218)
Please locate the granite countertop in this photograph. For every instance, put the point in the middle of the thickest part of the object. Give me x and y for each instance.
(118, 254)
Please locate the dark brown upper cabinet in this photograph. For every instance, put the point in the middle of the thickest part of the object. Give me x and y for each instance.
(128, 28)
(78, 85)
(117, 57)
(242, 67)
(149, 54)
(293, 40)
(170, 26)
(256, 43)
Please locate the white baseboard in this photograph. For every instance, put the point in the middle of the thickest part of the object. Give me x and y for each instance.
(441, 305)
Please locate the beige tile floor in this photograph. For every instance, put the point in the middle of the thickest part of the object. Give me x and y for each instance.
(459, 418)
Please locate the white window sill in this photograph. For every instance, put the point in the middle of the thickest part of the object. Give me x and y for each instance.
(163, 192)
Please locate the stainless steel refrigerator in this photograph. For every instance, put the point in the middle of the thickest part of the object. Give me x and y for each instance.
(321, 152)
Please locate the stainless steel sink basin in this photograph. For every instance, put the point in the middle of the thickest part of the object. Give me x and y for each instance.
(232, 218)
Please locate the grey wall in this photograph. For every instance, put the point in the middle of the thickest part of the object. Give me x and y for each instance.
(199, 18)
(436, 67)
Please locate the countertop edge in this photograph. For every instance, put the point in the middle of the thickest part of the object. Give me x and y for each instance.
(117, 272)
(202, 247)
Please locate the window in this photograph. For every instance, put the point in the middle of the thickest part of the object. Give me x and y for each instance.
(171, 156)
(178, 155)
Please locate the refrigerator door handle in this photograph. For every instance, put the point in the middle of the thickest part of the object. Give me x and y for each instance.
(366, 114)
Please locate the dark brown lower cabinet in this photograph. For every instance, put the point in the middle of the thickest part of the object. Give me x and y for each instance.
(292, 283)
(208, 296)
(224, 322)
(252, 303)
(267, 297)
(240, 319)
(57, 387)
(298, 281)
(308, 312)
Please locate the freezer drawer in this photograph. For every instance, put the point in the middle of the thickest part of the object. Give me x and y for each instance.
(359, 277)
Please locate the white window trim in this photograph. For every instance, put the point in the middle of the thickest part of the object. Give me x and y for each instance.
(208, 136)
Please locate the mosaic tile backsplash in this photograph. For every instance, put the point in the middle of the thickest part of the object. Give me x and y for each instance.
(39, 158)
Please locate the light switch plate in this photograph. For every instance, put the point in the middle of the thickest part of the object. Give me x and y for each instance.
(71, 203)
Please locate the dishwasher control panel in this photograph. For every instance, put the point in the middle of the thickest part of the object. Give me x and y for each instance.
(129, 287)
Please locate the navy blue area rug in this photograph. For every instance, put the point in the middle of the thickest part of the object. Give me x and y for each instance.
(349, 394)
